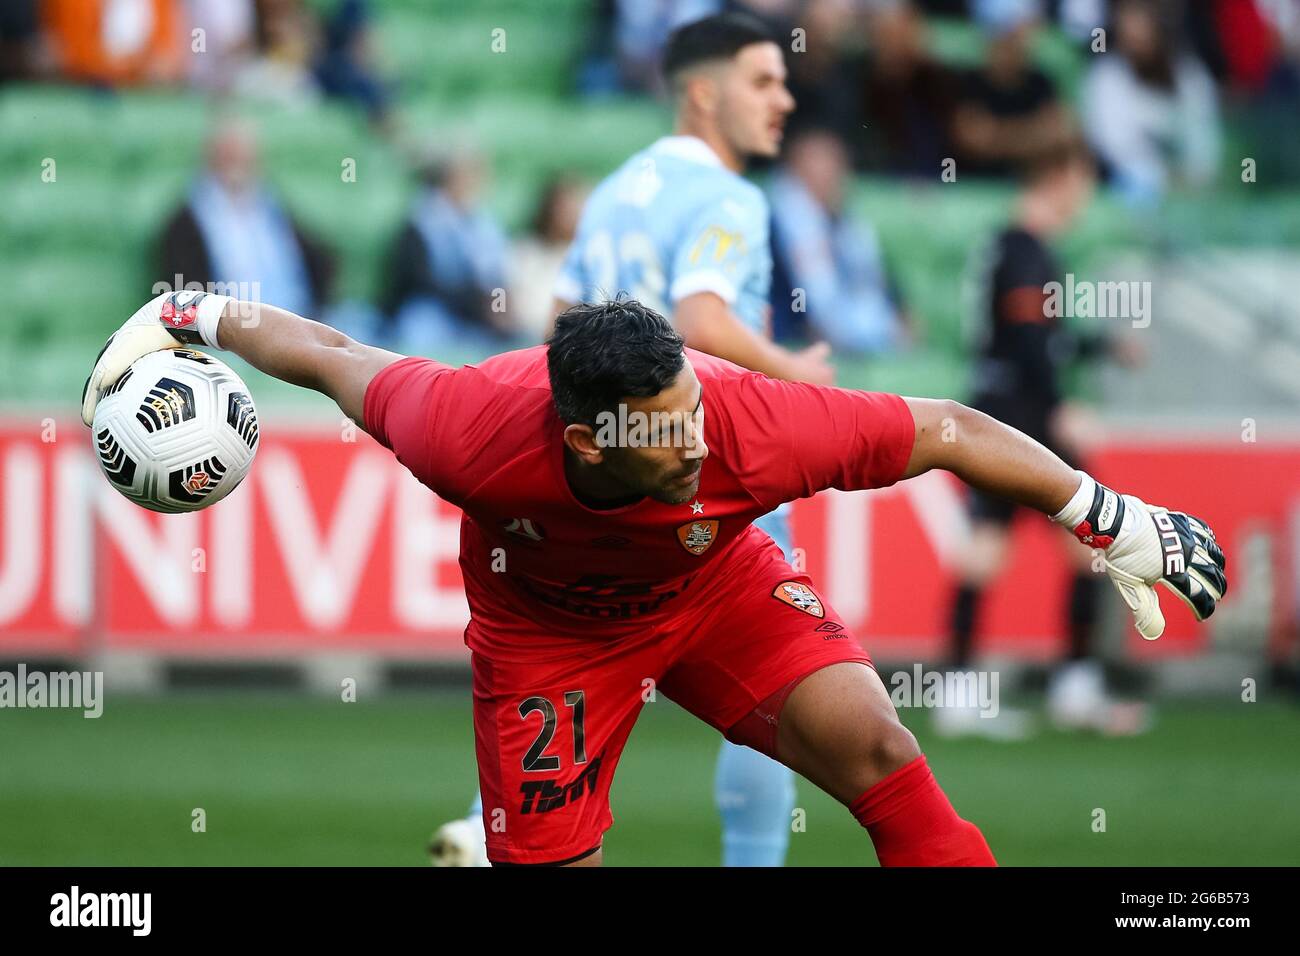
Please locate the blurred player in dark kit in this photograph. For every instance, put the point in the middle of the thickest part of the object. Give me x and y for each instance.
(1024, 350)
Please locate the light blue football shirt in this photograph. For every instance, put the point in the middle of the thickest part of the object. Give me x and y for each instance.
(670, 222)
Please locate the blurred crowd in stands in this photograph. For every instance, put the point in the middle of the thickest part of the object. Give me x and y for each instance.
(451, 272)
(280, 50)
(1157, 77)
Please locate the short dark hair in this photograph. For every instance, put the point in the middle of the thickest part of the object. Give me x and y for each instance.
(604, 352)
(719, 37)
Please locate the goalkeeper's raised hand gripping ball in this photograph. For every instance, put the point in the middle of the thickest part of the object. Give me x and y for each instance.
(166, 321)
(174, 429)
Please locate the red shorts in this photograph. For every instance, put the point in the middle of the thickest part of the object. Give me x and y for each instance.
(549, 733)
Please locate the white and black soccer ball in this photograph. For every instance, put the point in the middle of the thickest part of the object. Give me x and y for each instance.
(177, 432)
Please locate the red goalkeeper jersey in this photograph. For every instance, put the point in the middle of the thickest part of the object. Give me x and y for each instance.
(535, 559)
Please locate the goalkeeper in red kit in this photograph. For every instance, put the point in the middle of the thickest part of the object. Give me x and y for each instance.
(608, 483)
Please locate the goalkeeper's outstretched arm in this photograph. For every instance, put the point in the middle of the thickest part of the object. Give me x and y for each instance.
(272, 340)
(303, 352)
(988, 455)
(1143, 545)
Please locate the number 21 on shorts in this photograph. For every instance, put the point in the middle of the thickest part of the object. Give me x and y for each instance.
(536, 759)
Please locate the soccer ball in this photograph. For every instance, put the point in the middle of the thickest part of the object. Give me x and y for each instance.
(177, 432)
(459, 843)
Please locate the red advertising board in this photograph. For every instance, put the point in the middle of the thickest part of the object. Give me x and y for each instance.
(331, 545)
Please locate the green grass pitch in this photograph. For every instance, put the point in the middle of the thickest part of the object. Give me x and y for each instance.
(299, 781)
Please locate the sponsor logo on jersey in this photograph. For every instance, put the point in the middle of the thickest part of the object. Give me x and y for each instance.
(698, 536)
(604, 596)
(800, 597)
(831, 631)
(543, 796)
(720, 240)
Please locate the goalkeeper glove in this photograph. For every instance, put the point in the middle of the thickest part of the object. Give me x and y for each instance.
(1144, 546)
(168, 321)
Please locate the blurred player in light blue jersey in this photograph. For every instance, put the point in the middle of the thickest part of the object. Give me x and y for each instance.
(678, 228)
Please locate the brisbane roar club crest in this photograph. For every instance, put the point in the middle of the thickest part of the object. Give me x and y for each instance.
(698, 536)
(799, 596)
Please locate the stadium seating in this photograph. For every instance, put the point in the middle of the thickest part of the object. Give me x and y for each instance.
(122, 162)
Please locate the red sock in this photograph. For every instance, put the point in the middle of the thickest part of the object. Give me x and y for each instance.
(912, 823)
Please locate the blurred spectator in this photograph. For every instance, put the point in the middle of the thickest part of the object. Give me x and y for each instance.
(536, 258)
(941, 8)
(909, 96)
(1284, 18)
(346, 68)
(228, 40)
(1079, 18)
(628, 40)
(826, 77)
(1252, 46)
(447, 268)
(1267, 122)
(23, 53)
(829, 279)
(286, 43)
(1247, 44)
(116, 42)
(231, 230)
(1150, 110)
(773, 11)
(1009, 108)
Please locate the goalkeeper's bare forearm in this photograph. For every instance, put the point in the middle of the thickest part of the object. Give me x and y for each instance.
(988, 455)
(303, 352)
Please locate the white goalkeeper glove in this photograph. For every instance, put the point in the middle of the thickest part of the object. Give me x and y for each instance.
(1144, 546)
(171, 320)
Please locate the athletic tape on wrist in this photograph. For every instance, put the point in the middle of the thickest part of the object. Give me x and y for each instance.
(1076, 509)
(211, 308)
